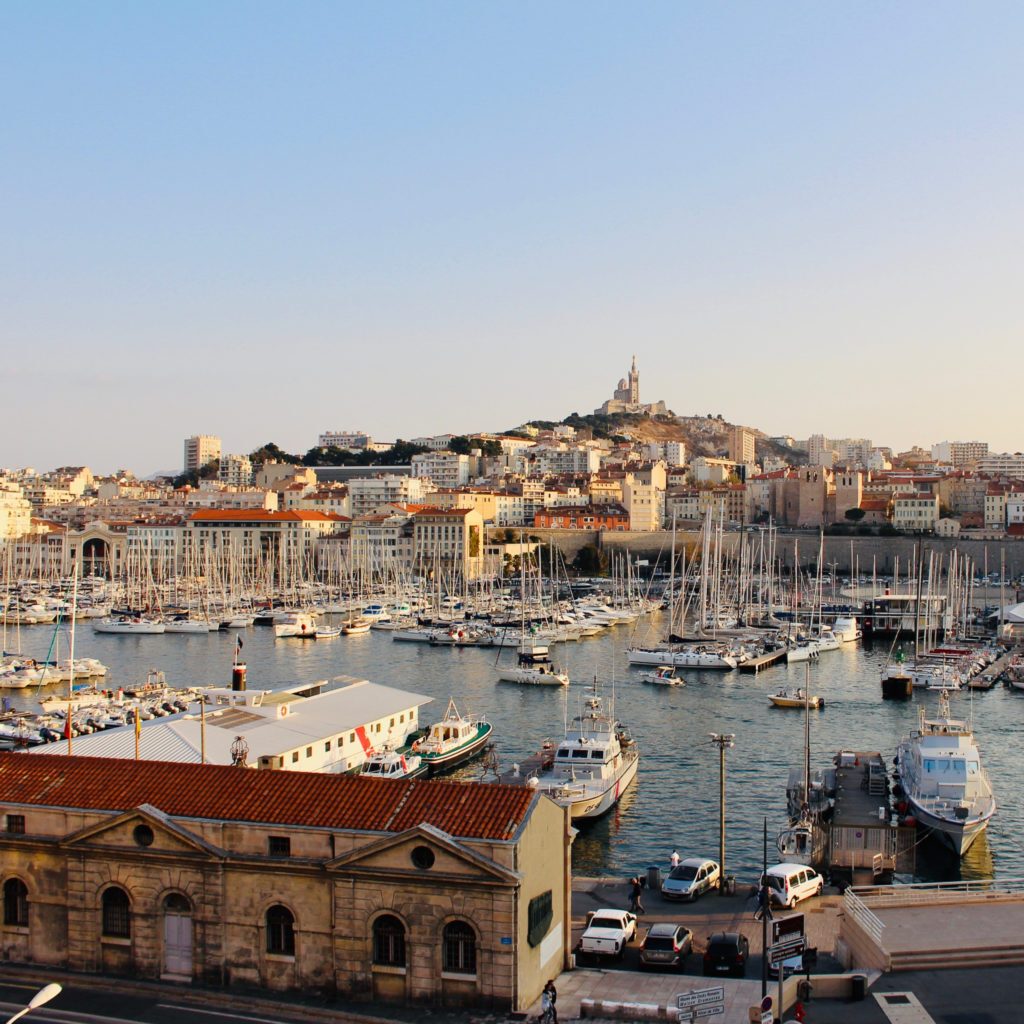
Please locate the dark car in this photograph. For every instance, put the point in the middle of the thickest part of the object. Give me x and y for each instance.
(727, 953)
(666, 945)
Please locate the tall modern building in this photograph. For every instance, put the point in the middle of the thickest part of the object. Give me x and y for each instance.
(199, 450)
(742, 446)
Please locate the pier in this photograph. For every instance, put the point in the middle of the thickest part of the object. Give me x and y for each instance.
(754, 665)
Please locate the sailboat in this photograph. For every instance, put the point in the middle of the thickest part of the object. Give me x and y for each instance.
(795, 842)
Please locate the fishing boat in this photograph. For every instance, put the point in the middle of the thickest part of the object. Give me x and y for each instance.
(452, 740)
(327, 632)
(356, 627)
(594, 764)
(297, 624)
(944, 786)
(664, 676)
(799, 698)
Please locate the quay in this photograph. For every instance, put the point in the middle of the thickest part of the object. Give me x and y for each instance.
(991, 675)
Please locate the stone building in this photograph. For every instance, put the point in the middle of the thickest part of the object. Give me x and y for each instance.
(442, 893)
(626, 398)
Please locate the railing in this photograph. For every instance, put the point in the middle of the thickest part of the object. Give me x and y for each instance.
(857, 909)
(934, 892)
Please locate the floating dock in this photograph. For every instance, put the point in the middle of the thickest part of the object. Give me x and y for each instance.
(755, 665)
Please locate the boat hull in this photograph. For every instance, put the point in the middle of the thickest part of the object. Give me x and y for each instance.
(438, 763)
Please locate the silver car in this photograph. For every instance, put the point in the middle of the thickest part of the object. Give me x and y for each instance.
(692, 878)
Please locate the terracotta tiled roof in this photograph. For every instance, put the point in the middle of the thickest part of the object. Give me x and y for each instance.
(225, 793)
(248, 515)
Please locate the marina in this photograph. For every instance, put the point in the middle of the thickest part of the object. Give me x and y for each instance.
(673, 802)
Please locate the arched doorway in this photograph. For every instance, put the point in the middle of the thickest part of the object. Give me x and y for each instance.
(177, 936)
(95, 557)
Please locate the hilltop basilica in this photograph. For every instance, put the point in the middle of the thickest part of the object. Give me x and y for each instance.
(626, 398)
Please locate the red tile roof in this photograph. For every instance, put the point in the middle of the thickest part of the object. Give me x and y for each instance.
(226, 793)
(245, 515)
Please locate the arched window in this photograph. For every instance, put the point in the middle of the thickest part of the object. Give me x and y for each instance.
(117, 914)
(388, 941)
(175, 903)
(459, 948)
(280, 931)
(15, 903)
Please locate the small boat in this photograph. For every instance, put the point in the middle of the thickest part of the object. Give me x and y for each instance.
(799, 698)
(456, 738)
(355, 627)
(298, 624)
(664, 676)
(389, 763)
(327, 632)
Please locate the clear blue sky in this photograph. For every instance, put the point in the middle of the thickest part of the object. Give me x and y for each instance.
(265, 220)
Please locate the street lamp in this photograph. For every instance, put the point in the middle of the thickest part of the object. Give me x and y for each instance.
(721, 740)
(44, 995)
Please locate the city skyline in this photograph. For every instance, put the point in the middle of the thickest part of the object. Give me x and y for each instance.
(262, 223)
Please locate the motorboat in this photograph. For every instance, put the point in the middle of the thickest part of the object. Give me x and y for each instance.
(594, 764)
(799, 698)
(356, 627)
(390, 763)
(452, 740)
(664, 676)
(943, 784)
(327, 632)
(533, 669)
(846, 630)
(297, 624)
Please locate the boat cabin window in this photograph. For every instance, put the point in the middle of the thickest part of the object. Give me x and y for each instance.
(929, 766)
(972, 766)
(597, 753)
(564, 752)
(579, 753)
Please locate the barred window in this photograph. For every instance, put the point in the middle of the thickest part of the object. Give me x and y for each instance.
(16, 823)
(280, 931)
(459, 947)
(117, 908)
(279, 846)
(15, 903)
(389, 941)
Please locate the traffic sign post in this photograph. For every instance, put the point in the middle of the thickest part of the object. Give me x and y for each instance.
(703, 1002)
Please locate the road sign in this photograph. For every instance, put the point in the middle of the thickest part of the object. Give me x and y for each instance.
(784, 950)
(700, 1011)
(700, 997)
(767, 1017)
(786, 927)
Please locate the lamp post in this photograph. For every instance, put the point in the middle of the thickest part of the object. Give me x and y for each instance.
(44, 995)
(722, 741)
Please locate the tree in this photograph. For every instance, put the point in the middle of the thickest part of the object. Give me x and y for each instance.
(590, 561)
(460, 445)
(855, 515)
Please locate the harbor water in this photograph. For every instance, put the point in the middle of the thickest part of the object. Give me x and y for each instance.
(674, 803)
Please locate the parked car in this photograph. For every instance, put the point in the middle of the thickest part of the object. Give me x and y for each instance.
(788, 884)
(666, 944)
(608, 932)
(691, 878)
(727, 953)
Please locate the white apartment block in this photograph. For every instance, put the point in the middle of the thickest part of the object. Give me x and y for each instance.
(449, 540)
(445, 469)
(554, 460)
(1005, 464)
(236, 471)
(367, 493)
(706, 470)
(645, 503)
(157, 545)
(435, 444)
(673, 453)
(681, 504)
(742, 446)
(1014, 509)
(916, 511)
(854, 452)
(352, 440)
(199, 450)
(15, 512)
(508, 509)
(820, 451)
(959, 453)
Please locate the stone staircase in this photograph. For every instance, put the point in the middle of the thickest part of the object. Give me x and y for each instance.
(958, 956)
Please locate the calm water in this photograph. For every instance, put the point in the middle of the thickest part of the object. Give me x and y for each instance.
(674, 803)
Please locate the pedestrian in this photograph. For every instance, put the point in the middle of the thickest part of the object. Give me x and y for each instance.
(548, 999)
(674, 859)
(638, 887)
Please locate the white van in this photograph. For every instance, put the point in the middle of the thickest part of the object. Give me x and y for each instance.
(788, 884)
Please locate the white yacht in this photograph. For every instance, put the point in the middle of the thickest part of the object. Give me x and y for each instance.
(699, 656)
(593, 766)
(944, 785)
(127, 624)
(300, 624)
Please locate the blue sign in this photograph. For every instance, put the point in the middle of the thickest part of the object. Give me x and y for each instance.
(506, 940)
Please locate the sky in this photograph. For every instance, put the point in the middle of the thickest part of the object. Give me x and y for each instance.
(266, 220)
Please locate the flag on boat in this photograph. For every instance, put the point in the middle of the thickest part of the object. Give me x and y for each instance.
(238, 646)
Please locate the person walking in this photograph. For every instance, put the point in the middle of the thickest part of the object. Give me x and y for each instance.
(674, 859)
(638, 887)
(548, 999)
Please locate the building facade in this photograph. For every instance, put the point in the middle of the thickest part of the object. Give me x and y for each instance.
(199, 450)
(446, 893)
